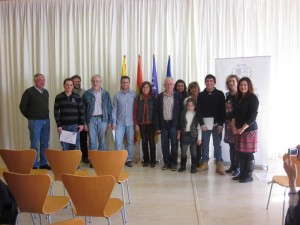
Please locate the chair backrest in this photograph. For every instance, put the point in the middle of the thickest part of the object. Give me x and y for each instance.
(89, 194)
(30, 191)
(70, 222)
(294, 161)
(63, 161)
(18, 161)
(108, 162)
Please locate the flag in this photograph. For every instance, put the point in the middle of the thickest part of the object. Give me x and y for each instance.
(123, 71)
(154, 78)
(155, 90)
(139, 77)
(169, 68)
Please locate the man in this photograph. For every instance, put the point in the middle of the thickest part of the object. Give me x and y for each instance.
(211, 115)
(69, 113)
(34, 106)
(83, 134)
(98, 113)
(168, 122)
(122, 115)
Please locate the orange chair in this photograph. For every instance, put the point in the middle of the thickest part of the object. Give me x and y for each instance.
(91, 196)
(20, 161)
(31, 194)
(112, 163)
(283, 181)
(70, 222)
(63, 162)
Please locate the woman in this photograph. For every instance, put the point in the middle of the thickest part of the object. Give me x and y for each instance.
(180, 87)
(244, 127)
(143, 120)
(231, 85)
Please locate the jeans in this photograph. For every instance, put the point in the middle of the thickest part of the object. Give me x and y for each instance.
(217, 144)
(169, 134)
(68, 146)
(122, 130)
(97, 131)
(147, 135)
(39, 131)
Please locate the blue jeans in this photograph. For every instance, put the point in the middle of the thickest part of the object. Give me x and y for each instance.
(169, 134)
(39, 131)
(97, 131)
(68, 146)
(217, 144)
(129, 132)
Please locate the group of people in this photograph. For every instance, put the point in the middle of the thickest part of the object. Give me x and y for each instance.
(180, 114)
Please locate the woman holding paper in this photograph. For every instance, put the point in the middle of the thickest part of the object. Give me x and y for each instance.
(244, 127)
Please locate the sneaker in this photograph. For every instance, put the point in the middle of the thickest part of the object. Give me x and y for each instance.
(181, 169)
(165, 167)
(204, 166)
(236, 172)
(47, 167)
(173, 168)
(128, 164)
(220, 168)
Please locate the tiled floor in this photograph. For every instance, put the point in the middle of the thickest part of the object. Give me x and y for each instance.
(205, 198)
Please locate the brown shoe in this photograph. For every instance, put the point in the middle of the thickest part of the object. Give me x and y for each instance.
(203, 166)
(220, 168)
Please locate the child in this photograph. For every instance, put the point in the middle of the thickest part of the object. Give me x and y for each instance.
(190, 135)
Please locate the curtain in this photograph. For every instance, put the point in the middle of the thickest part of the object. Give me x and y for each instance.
(63, 38)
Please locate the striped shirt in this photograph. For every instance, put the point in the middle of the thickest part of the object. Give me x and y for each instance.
(68, 110)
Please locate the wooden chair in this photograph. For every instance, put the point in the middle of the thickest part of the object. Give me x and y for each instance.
(70, 222)
(62, 162)
(91, 196)
(112, 163)
(31, 194)
(283, 181)
(20, 161)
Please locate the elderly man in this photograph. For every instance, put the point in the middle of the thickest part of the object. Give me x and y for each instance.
(168, 122)
(98, 113)
(34, 106)
(123, 122)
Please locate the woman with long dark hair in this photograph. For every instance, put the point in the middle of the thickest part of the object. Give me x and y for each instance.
(244, 127)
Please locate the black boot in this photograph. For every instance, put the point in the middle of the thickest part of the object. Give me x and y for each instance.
(248, 172)
(230, 170)
(242, 170)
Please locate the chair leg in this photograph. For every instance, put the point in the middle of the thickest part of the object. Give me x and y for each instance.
(32, 217)
(85, 220)
(124, 206)
(40, 219)
(91, 218)
(270, 194)
(51, 189)
(283, 207)
(123, 217)
(128, 192)
(109, 222)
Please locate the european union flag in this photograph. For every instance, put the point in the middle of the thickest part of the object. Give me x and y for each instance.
(154, 79)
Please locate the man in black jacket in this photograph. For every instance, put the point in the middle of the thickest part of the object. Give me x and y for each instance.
(168, 122)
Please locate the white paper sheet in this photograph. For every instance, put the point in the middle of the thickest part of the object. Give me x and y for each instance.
(68, 137)
(209, 122)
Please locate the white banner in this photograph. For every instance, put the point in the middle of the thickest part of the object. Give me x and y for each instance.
(258, 70)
